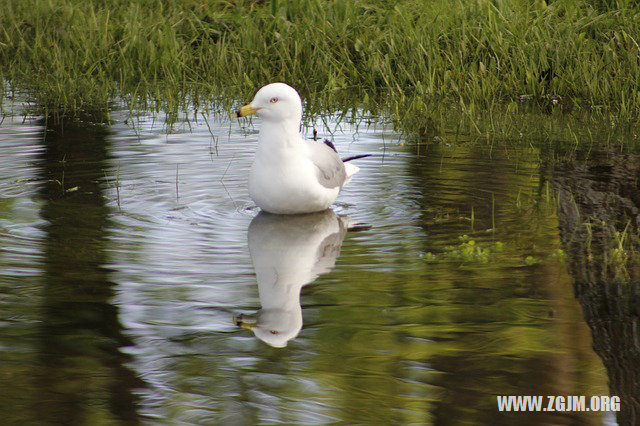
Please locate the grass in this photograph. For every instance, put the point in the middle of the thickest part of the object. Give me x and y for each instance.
(402, 59)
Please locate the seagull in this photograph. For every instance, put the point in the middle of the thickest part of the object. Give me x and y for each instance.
(291, 175)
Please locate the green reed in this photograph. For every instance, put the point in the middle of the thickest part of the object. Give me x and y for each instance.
(410, 60)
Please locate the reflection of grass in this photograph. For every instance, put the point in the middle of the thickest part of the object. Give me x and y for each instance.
(618, 252)
(558, 254)
(400, 58)
(622, 253)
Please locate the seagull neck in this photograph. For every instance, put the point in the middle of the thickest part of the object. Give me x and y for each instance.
(285, 297)
(276, 129)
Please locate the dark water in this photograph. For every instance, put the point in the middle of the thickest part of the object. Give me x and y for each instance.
(140, 285)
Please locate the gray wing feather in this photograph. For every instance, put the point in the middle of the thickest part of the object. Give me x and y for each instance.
(329, 167)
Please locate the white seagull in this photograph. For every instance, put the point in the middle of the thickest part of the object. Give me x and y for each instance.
(290, 175)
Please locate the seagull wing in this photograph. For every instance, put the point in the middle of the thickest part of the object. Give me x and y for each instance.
(329, 167)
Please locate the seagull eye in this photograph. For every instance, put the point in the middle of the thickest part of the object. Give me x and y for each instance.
(273, 332)
(273, 100)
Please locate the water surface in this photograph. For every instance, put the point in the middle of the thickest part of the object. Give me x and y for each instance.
(130, 254)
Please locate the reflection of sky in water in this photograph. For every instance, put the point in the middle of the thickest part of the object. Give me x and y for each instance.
(182, 262)
(390, 334)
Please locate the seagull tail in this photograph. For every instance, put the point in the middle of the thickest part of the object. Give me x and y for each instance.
(352, 169)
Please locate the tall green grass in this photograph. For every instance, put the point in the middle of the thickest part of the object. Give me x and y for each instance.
(401, 59)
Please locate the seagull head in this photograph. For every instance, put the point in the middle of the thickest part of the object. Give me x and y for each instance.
(275, 102)
(275, 327)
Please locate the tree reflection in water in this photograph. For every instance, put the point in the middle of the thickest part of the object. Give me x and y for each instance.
(599, 218)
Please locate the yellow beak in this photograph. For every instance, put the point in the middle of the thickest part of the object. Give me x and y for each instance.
(246, 110)
(247, 325)
(248, 322)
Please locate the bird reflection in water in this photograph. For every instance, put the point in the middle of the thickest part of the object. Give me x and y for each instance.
(289, 251)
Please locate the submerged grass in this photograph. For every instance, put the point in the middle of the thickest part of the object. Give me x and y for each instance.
(401, 59)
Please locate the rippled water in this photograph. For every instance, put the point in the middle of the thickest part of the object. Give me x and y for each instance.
(135, 270)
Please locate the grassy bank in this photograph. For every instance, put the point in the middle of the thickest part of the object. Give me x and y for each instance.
(402, 59)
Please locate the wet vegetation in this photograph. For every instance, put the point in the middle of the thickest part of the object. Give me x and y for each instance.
(413, 61)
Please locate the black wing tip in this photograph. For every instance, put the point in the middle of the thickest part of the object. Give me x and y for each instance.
(330, 144)
(356, 157)
(358, 227)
